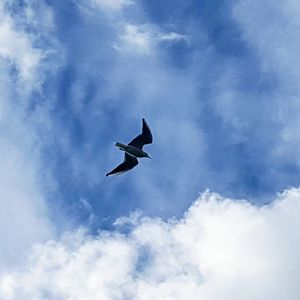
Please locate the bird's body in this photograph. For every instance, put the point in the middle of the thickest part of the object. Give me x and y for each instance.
(133, 150)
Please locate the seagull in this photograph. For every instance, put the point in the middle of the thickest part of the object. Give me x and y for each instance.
(133, 150)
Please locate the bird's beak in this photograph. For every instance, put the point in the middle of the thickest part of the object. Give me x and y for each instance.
(149, 157)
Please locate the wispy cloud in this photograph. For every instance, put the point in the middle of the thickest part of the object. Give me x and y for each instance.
(111, 4)
(271, 30)
(26, 40)
(110, 8)
(220, 249)
(143, 38)
(16, 46)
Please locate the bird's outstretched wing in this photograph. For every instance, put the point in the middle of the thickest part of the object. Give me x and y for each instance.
(144, 138)
(128, 163)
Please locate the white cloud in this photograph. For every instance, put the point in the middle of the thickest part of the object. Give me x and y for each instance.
(23, 211)
(144, 38)
(111, 4)
(24, 49)
(220, 249)
(17, 48)
(24, 215)
(271, 29)
(109, 8)
(135, 38)
(172, 37)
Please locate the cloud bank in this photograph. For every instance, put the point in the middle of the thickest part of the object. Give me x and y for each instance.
(220, 249)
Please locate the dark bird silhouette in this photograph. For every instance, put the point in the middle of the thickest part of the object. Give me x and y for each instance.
(133, 150)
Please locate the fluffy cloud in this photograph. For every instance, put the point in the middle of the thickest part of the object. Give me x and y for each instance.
(220, 249)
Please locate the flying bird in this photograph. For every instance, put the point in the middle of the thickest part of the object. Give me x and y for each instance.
(133, 150)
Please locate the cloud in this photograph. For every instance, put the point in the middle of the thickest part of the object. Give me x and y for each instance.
(271, 30)
(26, 50)
(220, 249)
(111, 4)
(171, 37)
(25, 215)
(136, 39)
(108, 8)
(143, 38)
(16, 47)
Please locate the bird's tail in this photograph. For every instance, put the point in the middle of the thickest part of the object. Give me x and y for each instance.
(120, 145)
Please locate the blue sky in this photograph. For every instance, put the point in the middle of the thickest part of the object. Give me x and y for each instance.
(205, 93)
(218, 83)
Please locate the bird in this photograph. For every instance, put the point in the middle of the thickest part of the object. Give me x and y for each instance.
(133, 150)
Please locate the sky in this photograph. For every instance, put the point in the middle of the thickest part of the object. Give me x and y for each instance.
(215, 214)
